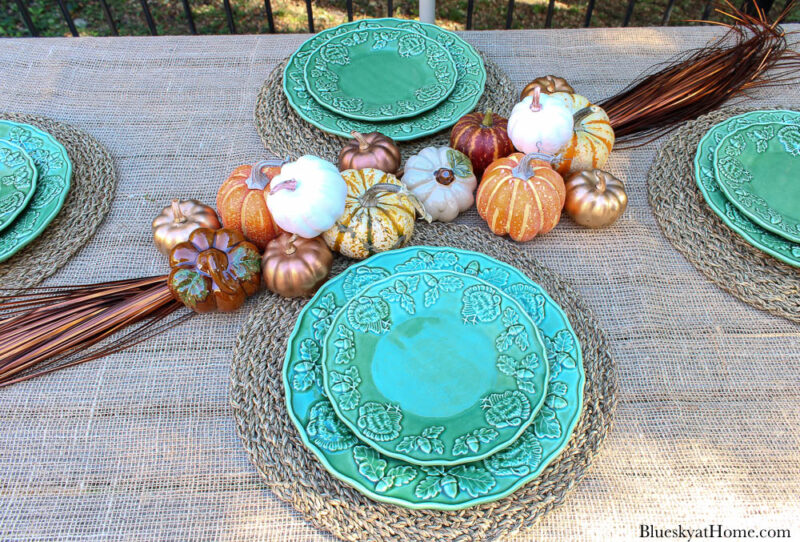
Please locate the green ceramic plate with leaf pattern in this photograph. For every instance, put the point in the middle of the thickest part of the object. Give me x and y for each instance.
(462, 100)
(758, 169)
(434, 367)
(54, 174)
(17, 181)
(379, 75)
(706, 179)
(432, 487)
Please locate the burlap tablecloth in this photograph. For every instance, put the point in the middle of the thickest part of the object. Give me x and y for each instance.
(142, 445)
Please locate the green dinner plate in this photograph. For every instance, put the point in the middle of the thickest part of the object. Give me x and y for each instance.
(379, 75)
(434, 367)
(706, 180)
(758, 169)
(54, 174)
(17, 181)
(445, 488)
(462, 100)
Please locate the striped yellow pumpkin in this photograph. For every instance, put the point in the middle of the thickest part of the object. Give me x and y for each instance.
(379, 214)
(520, 196)
(592, 139)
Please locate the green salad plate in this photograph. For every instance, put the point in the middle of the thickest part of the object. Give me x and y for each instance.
(54, 174)
(17, 181)
(434, 367)
(706, 179)
(379, 75)
(400, 482)
(758, 169)
(470, 82)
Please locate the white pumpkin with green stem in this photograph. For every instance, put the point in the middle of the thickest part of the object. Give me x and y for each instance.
(540, 123)
(443, 181)
(307, 197)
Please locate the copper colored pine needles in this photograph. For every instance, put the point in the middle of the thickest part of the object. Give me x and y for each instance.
(699, 81)
(46, 329)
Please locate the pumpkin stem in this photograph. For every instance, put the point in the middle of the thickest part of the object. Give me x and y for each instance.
(601, 180)
(363, 144)
(290, 246)
(536, 104)
(289, 184)
(487, 119)
(444, 176)
(524, 170)
(580, 115)
(177, 215)
(257, 180)
(370, 197)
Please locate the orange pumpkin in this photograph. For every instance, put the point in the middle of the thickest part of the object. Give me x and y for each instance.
(592, 139)
(242, 202)
(521, 196)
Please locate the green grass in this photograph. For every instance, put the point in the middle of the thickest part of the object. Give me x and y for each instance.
(290, 15)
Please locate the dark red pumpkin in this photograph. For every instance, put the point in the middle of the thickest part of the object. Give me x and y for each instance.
(483, 137)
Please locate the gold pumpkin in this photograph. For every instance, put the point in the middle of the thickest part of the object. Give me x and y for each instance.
(592, 139)
(595, 198)
(294, 266)
(548, 85)
(379, 214)
(175, 223)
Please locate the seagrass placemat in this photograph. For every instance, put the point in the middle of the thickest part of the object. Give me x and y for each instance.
(704, 239)
(88, 202)
(285, 134)
(293, 473)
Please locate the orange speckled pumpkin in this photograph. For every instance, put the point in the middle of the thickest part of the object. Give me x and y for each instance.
(521, 196)
(592, 139)
(242, 202)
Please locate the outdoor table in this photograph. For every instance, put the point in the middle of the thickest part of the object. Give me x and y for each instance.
(143, 445)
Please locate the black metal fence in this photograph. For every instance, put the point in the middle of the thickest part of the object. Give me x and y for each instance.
(707, 6)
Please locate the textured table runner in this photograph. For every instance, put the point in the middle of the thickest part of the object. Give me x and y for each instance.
(143, 445)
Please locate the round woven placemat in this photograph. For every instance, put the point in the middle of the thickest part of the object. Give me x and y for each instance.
(285, 134)
(293, 473)
(88, 202)
(704, 239)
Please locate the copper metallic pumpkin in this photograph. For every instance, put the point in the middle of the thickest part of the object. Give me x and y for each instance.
(520, 196)
(176, 223)
(547, 84)
(214, 270)
(373, 150)
(595, 198)
(294, 266)
(242, 202)
(483, 137)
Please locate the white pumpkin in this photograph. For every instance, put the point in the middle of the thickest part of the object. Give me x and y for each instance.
(540, 123)
(307, 197)
(442, 179)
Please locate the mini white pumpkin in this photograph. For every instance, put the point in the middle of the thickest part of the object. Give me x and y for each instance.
(307, 197)
(540, 123)
(442, 179)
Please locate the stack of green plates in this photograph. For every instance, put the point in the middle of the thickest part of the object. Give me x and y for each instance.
(434, 378)
(748, 168)
(402, 78)
(35, 174)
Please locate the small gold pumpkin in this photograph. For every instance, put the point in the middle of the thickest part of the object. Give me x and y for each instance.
(595, 198)
(548, 85)
(379, 214)
(176, 223)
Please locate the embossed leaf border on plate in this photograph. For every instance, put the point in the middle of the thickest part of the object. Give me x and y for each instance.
(341, 380)
(705, 178)
(444, 488)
